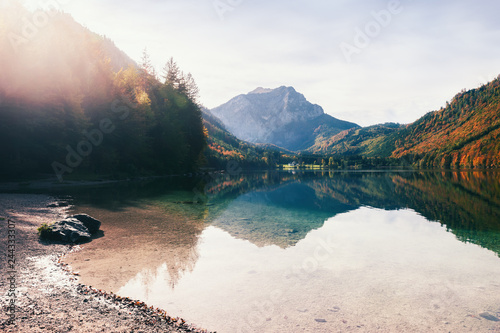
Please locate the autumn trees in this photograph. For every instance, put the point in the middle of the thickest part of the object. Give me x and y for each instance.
(464, 134)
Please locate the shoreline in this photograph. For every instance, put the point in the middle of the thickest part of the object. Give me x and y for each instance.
(49, 183)
(54, 183)
(46, 293)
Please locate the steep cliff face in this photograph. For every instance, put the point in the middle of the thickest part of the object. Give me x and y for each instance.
(280, 116)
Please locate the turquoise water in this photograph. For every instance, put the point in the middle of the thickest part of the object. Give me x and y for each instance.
(316, 252)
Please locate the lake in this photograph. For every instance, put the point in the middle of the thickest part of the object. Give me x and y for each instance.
(303, 251)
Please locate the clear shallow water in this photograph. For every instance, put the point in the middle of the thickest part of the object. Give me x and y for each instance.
(311, 252)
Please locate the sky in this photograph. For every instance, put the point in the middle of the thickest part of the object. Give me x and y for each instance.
(365, 61)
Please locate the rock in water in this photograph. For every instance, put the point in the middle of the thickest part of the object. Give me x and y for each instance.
(91, 223)
(69, 230)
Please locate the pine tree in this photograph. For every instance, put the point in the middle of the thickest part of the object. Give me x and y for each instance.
(192, 89)
(172, 74)
(183, 83)
(147, 72)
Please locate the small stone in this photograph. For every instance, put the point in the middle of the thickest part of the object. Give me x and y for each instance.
(320, 320)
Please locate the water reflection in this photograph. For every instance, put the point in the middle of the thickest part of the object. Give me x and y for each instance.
(138, 238)
(383, 242)
(367, 269)
(288, 206)
(281, 215)
(150, 224)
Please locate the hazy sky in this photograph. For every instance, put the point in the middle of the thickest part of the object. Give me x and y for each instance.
(366, 61)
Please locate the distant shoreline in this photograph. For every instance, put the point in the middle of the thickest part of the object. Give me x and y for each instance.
(42, 183)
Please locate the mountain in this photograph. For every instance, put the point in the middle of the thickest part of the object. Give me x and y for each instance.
(280, 116)
(464, 134)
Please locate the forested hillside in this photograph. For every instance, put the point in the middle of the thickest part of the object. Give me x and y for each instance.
(73, 103)
(463, 134)
(366, 141)
(224, 147)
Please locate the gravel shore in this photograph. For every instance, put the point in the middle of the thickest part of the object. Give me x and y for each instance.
(46, 294)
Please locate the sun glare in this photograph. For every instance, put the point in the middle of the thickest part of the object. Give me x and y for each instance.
(34, 5)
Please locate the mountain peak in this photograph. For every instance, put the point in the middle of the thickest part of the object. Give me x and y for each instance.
(261, 90)
(280, 116)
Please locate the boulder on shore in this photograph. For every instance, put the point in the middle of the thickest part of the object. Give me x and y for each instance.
(91, 223)
(75, 229)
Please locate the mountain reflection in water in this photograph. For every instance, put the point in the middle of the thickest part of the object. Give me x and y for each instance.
(282, 209)
(149, 224)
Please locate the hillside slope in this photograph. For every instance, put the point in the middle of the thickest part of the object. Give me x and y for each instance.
(224, 147)
(62, 57)
(368, 141)
(466, 133)
(72, 102)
